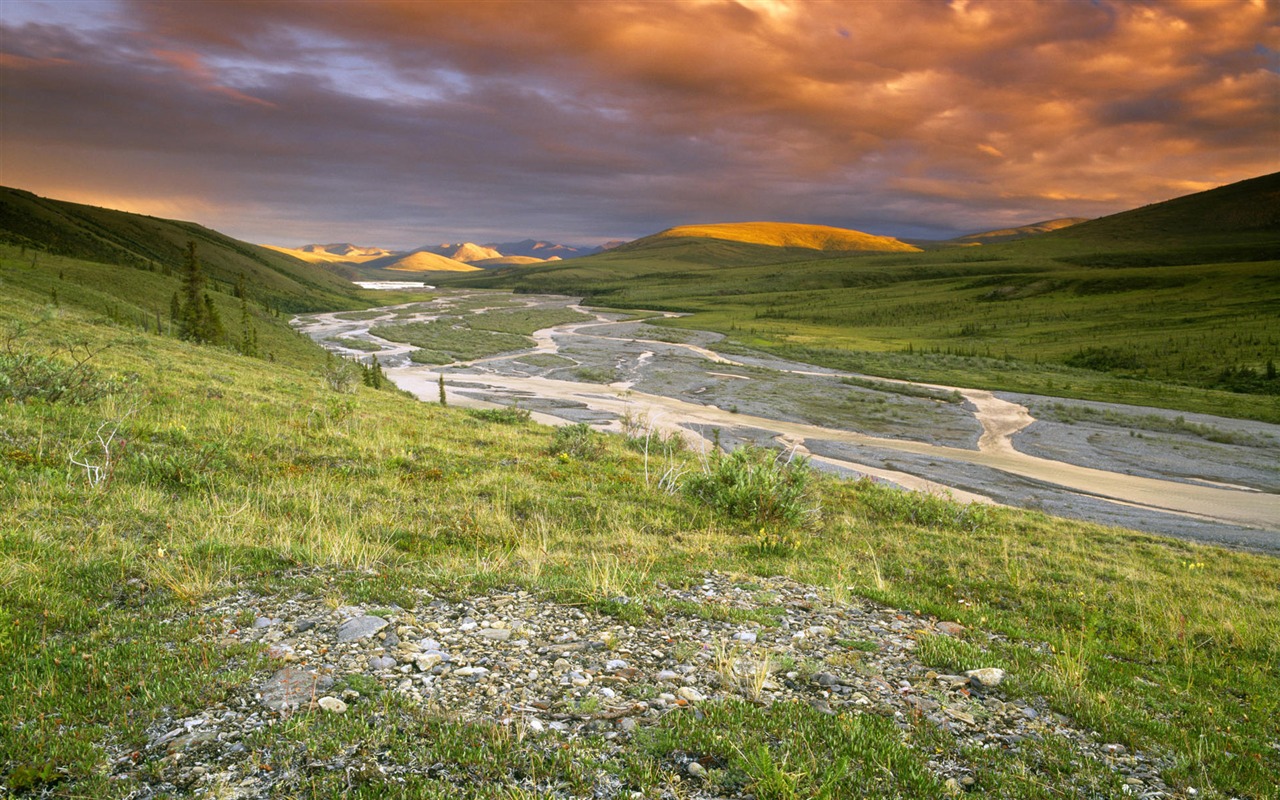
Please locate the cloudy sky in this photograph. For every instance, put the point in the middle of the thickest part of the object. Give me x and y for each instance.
(404, 122)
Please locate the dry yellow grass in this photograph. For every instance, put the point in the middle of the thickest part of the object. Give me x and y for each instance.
(430, 262)
(786, 234)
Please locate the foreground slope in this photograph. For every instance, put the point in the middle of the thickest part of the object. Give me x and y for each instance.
(241, 508)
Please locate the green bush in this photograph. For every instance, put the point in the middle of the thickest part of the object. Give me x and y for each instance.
(64, 375)
(886, 504)
(755, 485)
(504, 416)
(576, 441)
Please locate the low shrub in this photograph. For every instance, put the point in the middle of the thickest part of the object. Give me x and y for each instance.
(576, 441)
(503, 416)
(755, 485)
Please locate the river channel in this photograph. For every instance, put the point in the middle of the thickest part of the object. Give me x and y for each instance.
(1188, 475)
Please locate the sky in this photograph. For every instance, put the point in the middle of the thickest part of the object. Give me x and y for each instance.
(400, 123)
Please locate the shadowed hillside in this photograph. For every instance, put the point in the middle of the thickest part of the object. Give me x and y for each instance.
(153, 244)
(1250, 207)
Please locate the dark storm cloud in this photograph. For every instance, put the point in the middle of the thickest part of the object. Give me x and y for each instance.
(403, 122)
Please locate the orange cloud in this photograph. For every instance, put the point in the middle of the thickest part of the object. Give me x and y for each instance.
(625, 117)
(192, 65)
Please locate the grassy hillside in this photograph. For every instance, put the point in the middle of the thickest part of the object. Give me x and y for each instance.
(1020, 232)
(156, 245)
(223, 483)
(1173, 305)
(781, 234)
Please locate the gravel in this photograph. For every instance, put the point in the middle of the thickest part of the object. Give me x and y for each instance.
(555, 672)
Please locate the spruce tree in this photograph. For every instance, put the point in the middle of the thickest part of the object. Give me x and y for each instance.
(211, 330)
(191, 322)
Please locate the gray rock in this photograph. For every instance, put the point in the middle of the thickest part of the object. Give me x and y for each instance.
(495, 634)
(360, 627)
(826, 679)
(381, 662)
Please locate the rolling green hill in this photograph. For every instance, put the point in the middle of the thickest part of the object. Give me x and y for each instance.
(152, 244)
(127, 269)
(1174, 305)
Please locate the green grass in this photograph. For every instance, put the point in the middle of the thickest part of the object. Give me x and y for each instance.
(546, 360)
(525, 321)
(1172, 305)
(447, 341)
(232, 473)
(356, 344)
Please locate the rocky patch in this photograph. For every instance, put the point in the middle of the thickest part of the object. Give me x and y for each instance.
(555, 671)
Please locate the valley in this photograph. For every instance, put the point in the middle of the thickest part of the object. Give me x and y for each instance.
(1189, 475)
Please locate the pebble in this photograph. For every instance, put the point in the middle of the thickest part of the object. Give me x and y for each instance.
(987, 677)
(445, 655)
(691, 694)
(333, 705)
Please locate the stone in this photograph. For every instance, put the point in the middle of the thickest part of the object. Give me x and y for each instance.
(333, 705)
(691, 694)
(495, 634)
(381, 662)
(360, 627)
(826, 679)
(293, 687)
(749, 637)
(949, 628)
(987, 677)
(425, 661)
(696, 770)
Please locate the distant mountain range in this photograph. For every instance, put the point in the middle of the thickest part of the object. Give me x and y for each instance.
(459, 257)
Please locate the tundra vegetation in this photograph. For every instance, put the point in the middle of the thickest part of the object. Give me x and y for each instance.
(144, 476)
(1171, 305)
